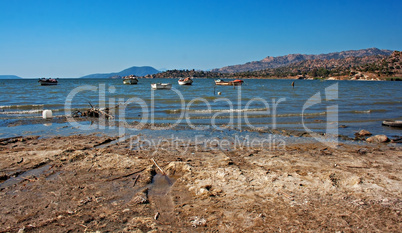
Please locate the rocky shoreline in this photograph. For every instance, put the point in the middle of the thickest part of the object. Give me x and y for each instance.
(361, 136)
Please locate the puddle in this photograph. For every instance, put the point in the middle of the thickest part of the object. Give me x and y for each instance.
(159, 196)
(28, 174)
(160, 185)
(54, 176)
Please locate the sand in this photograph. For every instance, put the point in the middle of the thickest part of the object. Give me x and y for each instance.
(84, 183)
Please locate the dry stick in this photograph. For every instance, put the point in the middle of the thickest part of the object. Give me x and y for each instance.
(127, 175)
(136, 178)
(163, 173)
(107, 115)
(91, 104)
(156, 216)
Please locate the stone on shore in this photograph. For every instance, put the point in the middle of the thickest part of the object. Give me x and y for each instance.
(364, 132)
(378, 139)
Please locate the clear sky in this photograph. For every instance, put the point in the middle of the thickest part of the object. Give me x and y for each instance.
(73, 38)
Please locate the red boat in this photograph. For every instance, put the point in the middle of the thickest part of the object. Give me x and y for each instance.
(236, 82)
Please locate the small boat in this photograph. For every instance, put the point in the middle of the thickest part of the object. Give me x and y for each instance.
(130, 80)
(161, 86)
(47, 81)
(236, 82)
(392, 123)
(185, 81)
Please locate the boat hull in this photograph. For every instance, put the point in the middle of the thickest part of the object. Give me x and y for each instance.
(185, 82)
(130, 81)
(47, 82)
(391, 123)
(229, 83)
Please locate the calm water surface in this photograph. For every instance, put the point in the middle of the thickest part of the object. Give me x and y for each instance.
(258, 103)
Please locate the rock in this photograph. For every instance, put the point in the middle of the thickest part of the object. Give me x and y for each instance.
(141, 197)
(364, 132)
(145, 222)
(177, 168)
(197, 221)
(378, 139)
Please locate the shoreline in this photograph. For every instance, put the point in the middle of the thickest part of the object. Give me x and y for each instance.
(88, 183)
(332, 78)
(61, 127)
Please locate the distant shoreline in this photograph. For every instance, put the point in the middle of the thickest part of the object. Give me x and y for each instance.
(340, 78)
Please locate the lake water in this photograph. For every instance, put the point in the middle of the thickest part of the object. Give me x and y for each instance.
(309, 105)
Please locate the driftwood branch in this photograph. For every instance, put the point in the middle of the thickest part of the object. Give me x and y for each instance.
(95, 112)
(163, 173)
(90, 104)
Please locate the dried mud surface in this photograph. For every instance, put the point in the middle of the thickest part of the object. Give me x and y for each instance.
(83, 184)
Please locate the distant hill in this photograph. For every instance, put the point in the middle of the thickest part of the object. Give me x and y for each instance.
(372, 67)
(388, 66)
(276, 62)
(137, 71)
(9, 77)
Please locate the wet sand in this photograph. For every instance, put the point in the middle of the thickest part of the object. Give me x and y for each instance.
(85, 183)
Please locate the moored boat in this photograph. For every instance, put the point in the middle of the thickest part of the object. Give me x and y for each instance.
(47, 81)
(130, 80)
(392, 123)
(185, 81)
(236, 82)
(161, 86)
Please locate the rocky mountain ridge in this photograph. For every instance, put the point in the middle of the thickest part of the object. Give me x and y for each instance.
(281, 61)
(376, 67)
(373, 67)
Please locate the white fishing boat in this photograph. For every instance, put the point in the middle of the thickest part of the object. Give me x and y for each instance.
(161, 86)
(185, 81)
(47, 81)
(392, 123)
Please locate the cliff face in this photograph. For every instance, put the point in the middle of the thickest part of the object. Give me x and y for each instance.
(276, 62)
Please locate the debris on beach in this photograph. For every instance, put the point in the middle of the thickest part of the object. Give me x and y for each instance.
(94, 112)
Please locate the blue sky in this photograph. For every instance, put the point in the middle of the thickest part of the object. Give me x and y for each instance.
(57, 38)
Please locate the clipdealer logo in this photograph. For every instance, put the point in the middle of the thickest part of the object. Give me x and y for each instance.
(237, 112)
(330, 137)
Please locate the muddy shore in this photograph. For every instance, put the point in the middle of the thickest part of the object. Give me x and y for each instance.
(89, 183)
